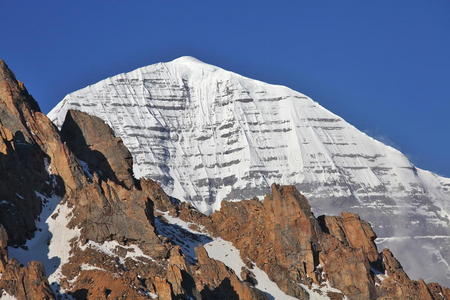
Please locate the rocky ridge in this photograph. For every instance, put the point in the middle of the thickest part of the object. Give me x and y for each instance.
(99, 233)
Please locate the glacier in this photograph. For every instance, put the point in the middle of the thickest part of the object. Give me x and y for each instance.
(209, 135)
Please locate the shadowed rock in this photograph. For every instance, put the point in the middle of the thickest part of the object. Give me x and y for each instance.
(92, 141)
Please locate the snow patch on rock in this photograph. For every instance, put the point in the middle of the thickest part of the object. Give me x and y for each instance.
(317, 292)
(110, 248)
(51, 242)
(6, 296)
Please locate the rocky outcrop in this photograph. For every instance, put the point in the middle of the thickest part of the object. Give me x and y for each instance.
(110, 204)
(397, 284)
(93, 142)
(278, 234)
(3, 250)
(352, 231)
(27, 282)
(22, 166)
(210, 279)
(282, 237)
(120, 211)
(25, 136)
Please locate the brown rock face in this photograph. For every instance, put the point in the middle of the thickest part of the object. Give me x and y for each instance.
(398, 285)
(24, 173)
(347, 269)
(353, 260)
(293, 231)
(21, 160)
(26, 282)
(109, 205)
(3, 250)
(282, 237)
(208, 279)
(14, 98)
(92, 141)
(352, 231)
(32, 159)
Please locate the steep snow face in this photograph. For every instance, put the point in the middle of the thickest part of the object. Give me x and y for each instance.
(209, 135)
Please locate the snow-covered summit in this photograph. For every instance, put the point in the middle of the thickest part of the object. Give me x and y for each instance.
(190, 60)
(208, 135)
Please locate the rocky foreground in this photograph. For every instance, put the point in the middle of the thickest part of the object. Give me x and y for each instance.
(83, 227)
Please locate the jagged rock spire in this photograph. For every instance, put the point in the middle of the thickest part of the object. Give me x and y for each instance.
(13, 92)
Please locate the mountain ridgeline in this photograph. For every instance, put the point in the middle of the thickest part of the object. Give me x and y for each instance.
(76, 224)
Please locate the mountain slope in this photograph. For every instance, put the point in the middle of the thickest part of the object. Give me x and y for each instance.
(207, 135)
(99, 233)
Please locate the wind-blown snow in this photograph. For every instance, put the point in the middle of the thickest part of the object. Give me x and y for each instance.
(208, 135)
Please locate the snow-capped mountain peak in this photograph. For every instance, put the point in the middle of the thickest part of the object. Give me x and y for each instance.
(190, 60)
(209, 135)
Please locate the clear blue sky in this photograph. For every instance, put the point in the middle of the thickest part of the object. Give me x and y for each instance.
(382, 65)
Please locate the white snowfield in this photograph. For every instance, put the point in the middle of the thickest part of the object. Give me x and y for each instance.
(209, 135)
